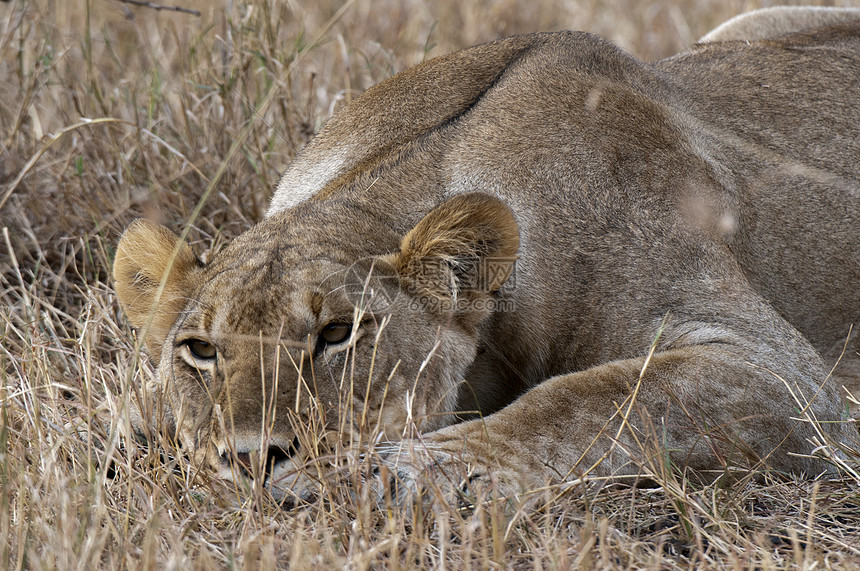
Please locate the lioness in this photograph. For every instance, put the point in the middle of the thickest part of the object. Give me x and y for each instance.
(586, 252)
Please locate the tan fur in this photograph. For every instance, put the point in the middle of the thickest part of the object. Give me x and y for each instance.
(152, 269)
(619, 265)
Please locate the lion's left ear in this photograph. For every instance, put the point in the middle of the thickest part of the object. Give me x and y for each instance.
(153, 274)
(461, 253)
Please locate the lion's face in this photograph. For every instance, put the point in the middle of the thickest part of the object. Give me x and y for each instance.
(286, 329)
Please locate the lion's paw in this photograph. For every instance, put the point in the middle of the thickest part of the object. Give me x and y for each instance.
(407, 473)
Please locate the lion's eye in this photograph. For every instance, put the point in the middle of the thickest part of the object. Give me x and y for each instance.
(201, 349)
(335, 333)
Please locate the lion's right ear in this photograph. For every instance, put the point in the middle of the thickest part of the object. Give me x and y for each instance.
(149, 255)
(460, 254)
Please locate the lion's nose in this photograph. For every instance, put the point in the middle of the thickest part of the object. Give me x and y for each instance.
(248, 462)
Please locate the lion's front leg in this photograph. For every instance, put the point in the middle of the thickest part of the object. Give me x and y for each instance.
(702, 408)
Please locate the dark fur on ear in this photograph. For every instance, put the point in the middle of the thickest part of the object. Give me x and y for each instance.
(147, 256)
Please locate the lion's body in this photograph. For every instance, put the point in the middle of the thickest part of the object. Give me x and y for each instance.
(708, 205)
(769, 23)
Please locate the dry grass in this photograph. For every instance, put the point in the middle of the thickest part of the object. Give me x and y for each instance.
(176, 117)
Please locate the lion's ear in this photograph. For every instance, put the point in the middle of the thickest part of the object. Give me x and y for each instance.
(461, 253)
(147, 257)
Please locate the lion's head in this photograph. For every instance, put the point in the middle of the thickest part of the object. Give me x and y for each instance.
(297, 318)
